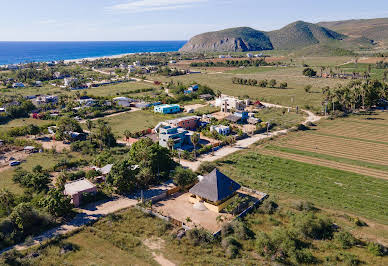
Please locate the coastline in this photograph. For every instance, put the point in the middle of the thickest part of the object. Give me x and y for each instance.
(79, 60)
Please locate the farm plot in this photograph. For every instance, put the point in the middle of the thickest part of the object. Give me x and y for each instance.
(356, 144)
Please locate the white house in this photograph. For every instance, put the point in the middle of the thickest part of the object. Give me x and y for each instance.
(227, 103)
(122, 101)
(249, 55)
(68, 81)
(220, 129)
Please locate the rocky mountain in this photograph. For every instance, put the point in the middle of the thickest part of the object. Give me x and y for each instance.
(234, 39)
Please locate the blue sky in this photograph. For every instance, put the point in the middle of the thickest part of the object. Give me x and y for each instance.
(105, 20)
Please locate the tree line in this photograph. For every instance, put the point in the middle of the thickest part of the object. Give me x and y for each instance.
(261, 83)
(231, 63)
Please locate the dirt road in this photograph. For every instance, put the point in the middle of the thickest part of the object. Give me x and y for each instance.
(245, 143)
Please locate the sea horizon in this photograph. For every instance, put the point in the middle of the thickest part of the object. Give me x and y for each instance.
(20, 52)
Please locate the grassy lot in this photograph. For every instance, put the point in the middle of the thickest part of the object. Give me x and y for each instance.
(362, 67)
(137, 121)
(120, 239)
(46, 89)
(292, 96)
(280, 120)
(23, 122)
(116, 89)
(44, 159)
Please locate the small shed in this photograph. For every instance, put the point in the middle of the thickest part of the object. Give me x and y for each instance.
(76, 188)
(29, 149)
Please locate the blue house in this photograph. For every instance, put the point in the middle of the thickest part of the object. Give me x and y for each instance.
(167, 108)
(242, 115)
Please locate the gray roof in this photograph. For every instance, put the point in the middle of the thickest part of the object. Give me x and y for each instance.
(215, 186)
(233, 118)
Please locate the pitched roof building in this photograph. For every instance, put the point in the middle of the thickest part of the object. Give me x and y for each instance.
(215, 189)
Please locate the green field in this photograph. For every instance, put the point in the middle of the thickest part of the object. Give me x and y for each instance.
(292, 96)
(116, 89)
(137, 121)
(23, 122)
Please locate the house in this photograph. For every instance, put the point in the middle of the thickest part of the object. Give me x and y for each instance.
(180, 137)
(242, 115)
(221, 56)
(136, 64)
(86, 101)
(18, 85)
(141, 105)
(77, 188)
(45, 99)
(258, 104)
(233, 118)
(229, 103)
(122, 101)
(220, 129)
(253, 120)
(29, 149)
(206, 97)
(172, 62)
(75, 136)
(167, 108)
(215, 190)
(249, 55)
(68, 81)
(190, 122)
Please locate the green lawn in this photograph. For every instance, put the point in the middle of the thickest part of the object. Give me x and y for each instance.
(137, 121)
(361, 195)
(116, 89)
(292, 96)
(279, 120)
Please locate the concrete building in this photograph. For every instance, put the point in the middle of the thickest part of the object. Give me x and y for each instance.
(45, 99)
(229, 103)
(68, 81)
(190, 122)
(76, 188)
(220, 129)
(167, 108)
(180, 137)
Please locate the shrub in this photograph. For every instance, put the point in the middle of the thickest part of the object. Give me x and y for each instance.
(309, 72)
(377, 249)
(200, 236)
(304, 206)
(313, 226)
(268, 207)
(345, 240)
(206, 167)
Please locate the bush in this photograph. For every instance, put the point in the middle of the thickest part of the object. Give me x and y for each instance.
(310, 225)
(304, 206)
(377, 249)
(268, 207)
(238, 229)
(200, 236)
(309, 72)
(206, 167)
(345, 240)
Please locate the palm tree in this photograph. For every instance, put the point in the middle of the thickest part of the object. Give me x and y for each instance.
(89, 124)
(195, 139)
(170, 144)
(7, 200)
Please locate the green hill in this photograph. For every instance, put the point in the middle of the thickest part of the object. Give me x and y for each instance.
(301, 34)
(373, 29)
(294, 36)
(234, 39)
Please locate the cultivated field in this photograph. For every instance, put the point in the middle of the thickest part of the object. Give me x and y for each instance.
(116, 89)
(342, 164)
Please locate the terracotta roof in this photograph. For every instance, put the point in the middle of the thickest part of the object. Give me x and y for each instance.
(215, 186)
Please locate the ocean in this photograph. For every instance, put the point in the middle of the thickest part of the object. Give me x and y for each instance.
(25, 52)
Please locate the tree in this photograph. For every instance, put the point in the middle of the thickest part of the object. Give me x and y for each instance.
(104, 135)
(122, 177)
(57, 203)
(127, 134)
(195, 139)
(23, 216)
(89, 125)
(184, 177)
(7, 200)
(67, 124)
(309, 72)
(283, 85)
(272, 83)
(263, 83)
(307, 88)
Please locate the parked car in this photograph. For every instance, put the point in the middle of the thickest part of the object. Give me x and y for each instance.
(14, 163)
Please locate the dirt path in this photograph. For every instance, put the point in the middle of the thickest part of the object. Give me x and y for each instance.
(332, 164)
(157, 245)
(86, 215)
(244, 143)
